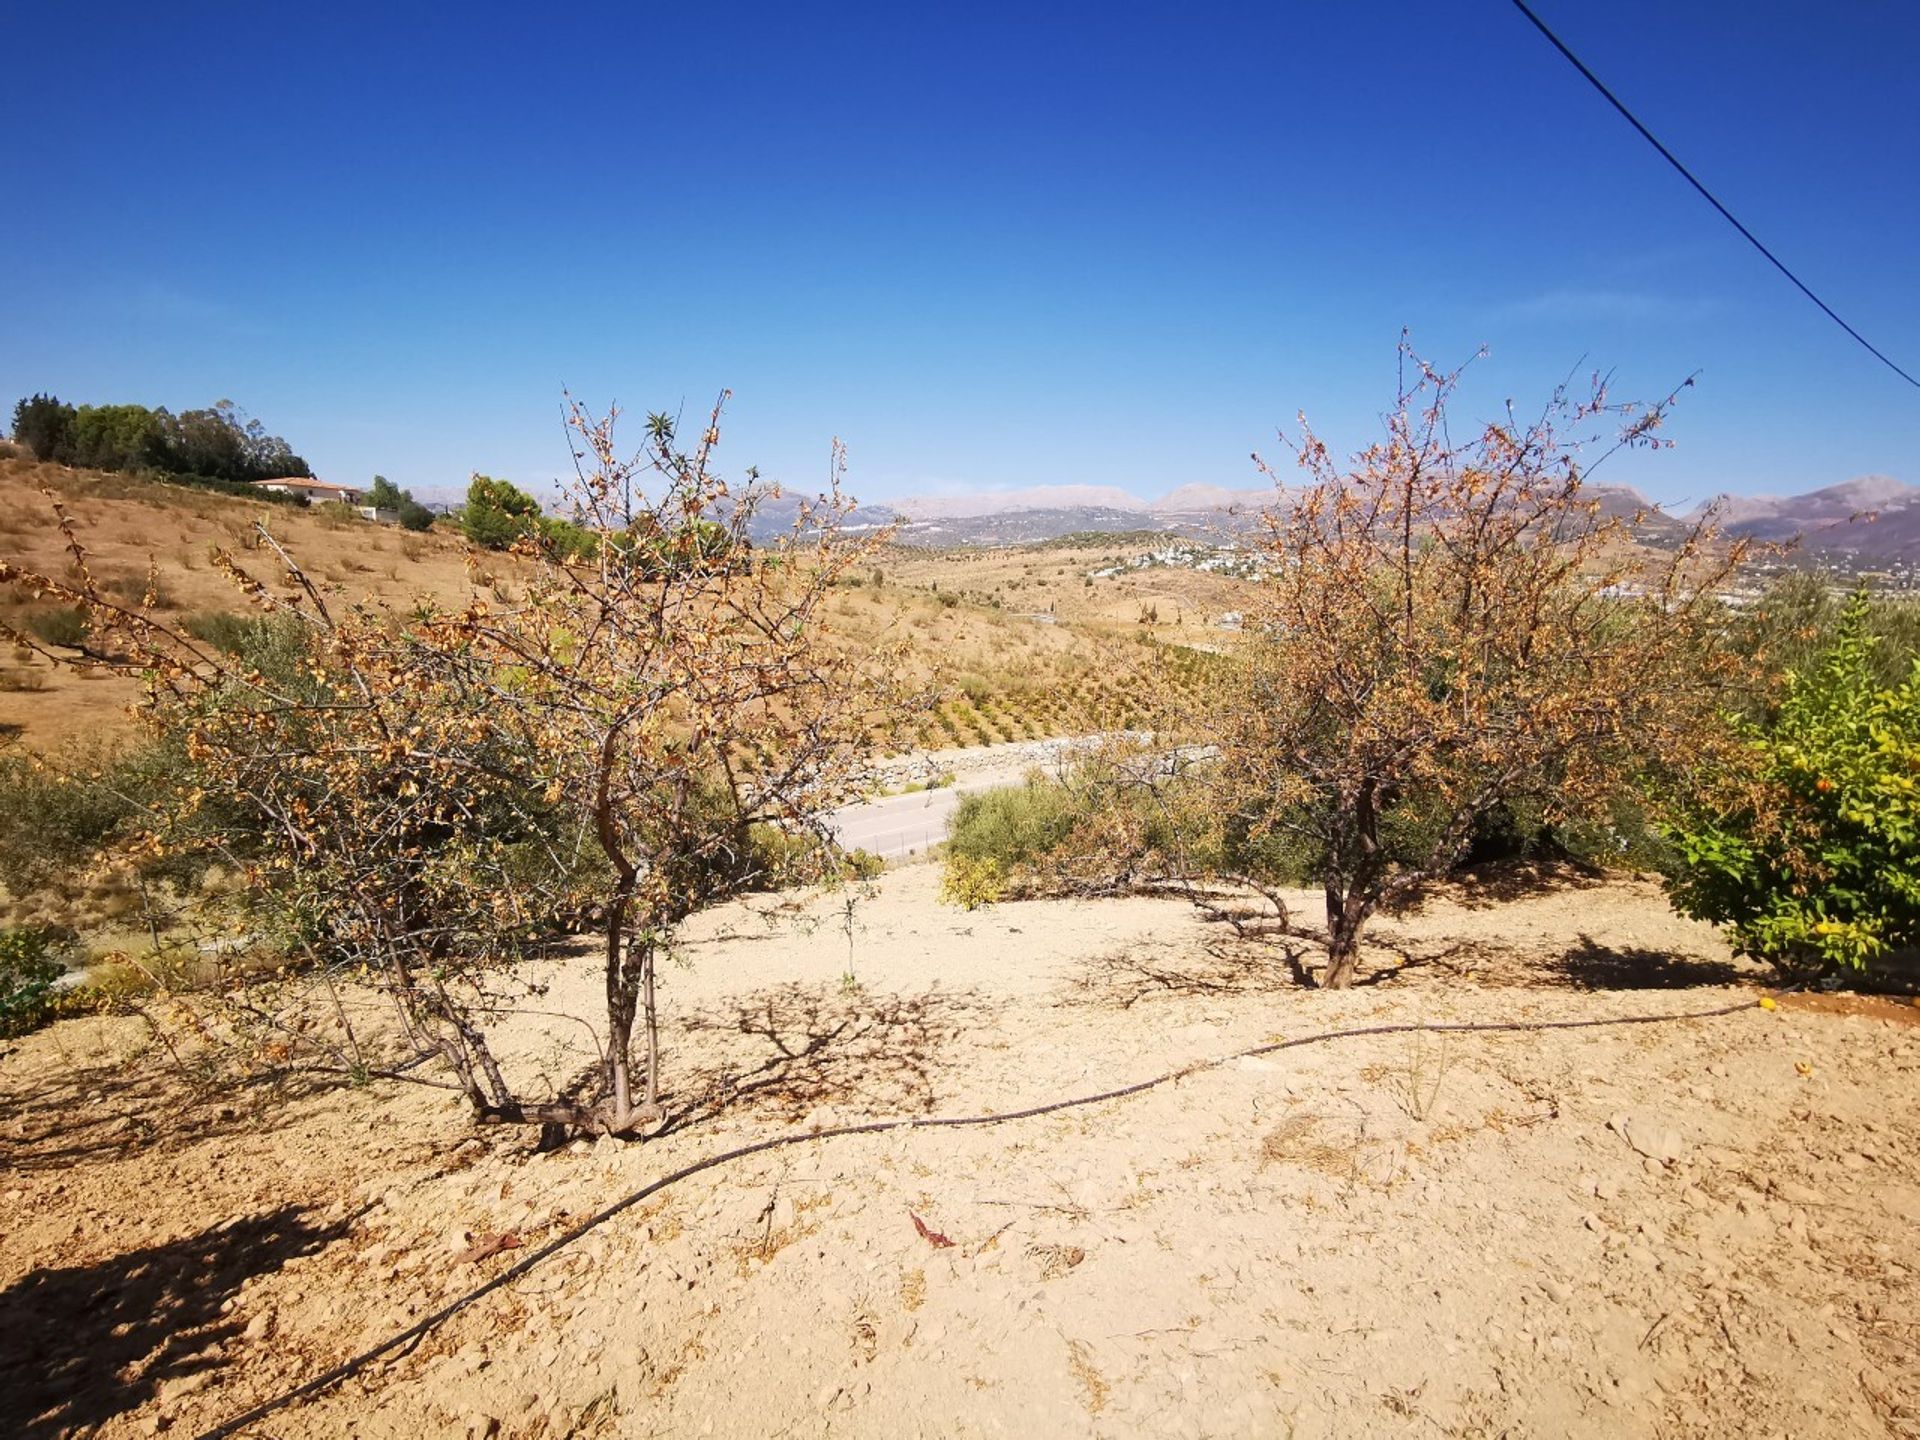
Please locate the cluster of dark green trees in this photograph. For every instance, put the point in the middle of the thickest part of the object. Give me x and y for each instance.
(220, 443)
(385, 495)
(499, 514)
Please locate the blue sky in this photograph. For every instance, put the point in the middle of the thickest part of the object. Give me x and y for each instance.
(986, 246)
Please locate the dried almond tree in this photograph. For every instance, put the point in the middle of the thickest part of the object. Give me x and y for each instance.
(1445, 629)
(416, 798)
(680, 690)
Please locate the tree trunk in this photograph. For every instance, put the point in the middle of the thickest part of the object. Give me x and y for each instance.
(630, 998)
(1346, 914)
(620, 1011)
(653, 1032)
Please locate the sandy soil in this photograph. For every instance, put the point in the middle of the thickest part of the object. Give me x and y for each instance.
(1702, 1227)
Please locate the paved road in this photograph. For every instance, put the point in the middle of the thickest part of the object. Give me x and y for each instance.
(899, 825)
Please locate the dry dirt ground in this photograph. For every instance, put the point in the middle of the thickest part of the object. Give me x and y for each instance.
(1698, 1227)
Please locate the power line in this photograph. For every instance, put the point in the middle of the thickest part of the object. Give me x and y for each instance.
(1708, 195)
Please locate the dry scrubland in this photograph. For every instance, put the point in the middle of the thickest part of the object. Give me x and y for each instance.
(1012, 677)
(1696, 1228)
(1702, 1226)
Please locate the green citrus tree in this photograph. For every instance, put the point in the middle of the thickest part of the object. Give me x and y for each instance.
(1808, 848)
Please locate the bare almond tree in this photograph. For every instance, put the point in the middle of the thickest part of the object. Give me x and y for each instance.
(1443, 629)
(418, 798)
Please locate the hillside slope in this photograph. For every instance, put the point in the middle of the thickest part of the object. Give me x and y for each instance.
(127, 523)
(1031, 648)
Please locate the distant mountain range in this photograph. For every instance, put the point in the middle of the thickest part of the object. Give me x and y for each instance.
(1047, 512)
(1873, 520)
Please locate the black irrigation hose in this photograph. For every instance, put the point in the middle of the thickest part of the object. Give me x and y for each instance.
(420, 1328)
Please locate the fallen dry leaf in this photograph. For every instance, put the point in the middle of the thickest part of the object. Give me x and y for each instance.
(485, 1246)
(932, 1237)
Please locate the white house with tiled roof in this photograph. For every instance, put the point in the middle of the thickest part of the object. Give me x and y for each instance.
(316, 491)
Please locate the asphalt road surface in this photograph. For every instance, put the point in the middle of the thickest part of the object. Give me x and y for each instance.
(897, 826)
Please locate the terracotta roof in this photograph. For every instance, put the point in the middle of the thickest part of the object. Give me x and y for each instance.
(309, 484)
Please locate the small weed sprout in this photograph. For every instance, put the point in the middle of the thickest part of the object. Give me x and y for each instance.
(1425, 1074)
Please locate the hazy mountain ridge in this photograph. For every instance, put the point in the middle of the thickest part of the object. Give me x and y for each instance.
(1194, 511)
(1872, 518)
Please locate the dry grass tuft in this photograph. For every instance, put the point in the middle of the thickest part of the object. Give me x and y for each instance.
(913, 1289)
(1083, 1371)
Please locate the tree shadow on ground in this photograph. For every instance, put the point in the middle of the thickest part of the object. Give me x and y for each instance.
(75, 1113)
(1501, 882)
(1592, 965)
(1457, 959)
(88, 1342)
(795, 1047)
(1124, 978)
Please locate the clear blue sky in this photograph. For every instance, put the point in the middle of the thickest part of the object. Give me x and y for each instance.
(987, 247)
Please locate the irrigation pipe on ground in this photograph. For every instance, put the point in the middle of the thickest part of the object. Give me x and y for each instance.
(422, 1327)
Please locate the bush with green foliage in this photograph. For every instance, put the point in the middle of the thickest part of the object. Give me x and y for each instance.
(1012, 825)
(383, 494)
(1810, 854)
(1116, 821)
(565, 540)
(227, 632)
(971, 883)
(59, 627)
(497, 513)
(28, 972)
(63, 813)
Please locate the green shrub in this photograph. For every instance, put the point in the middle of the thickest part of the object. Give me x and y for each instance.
(60, 815)
(134, 590)
(568, 541)
(861, 864)
(66, 628)
(1810, 854)
(224, 630)
(55, 817)
(497, 513)
(28, 971)
(1013, 825)
(971, 883)
(778, 859)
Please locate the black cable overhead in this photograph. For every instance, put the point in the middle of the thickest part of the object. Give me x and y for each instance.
(1752, 239)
